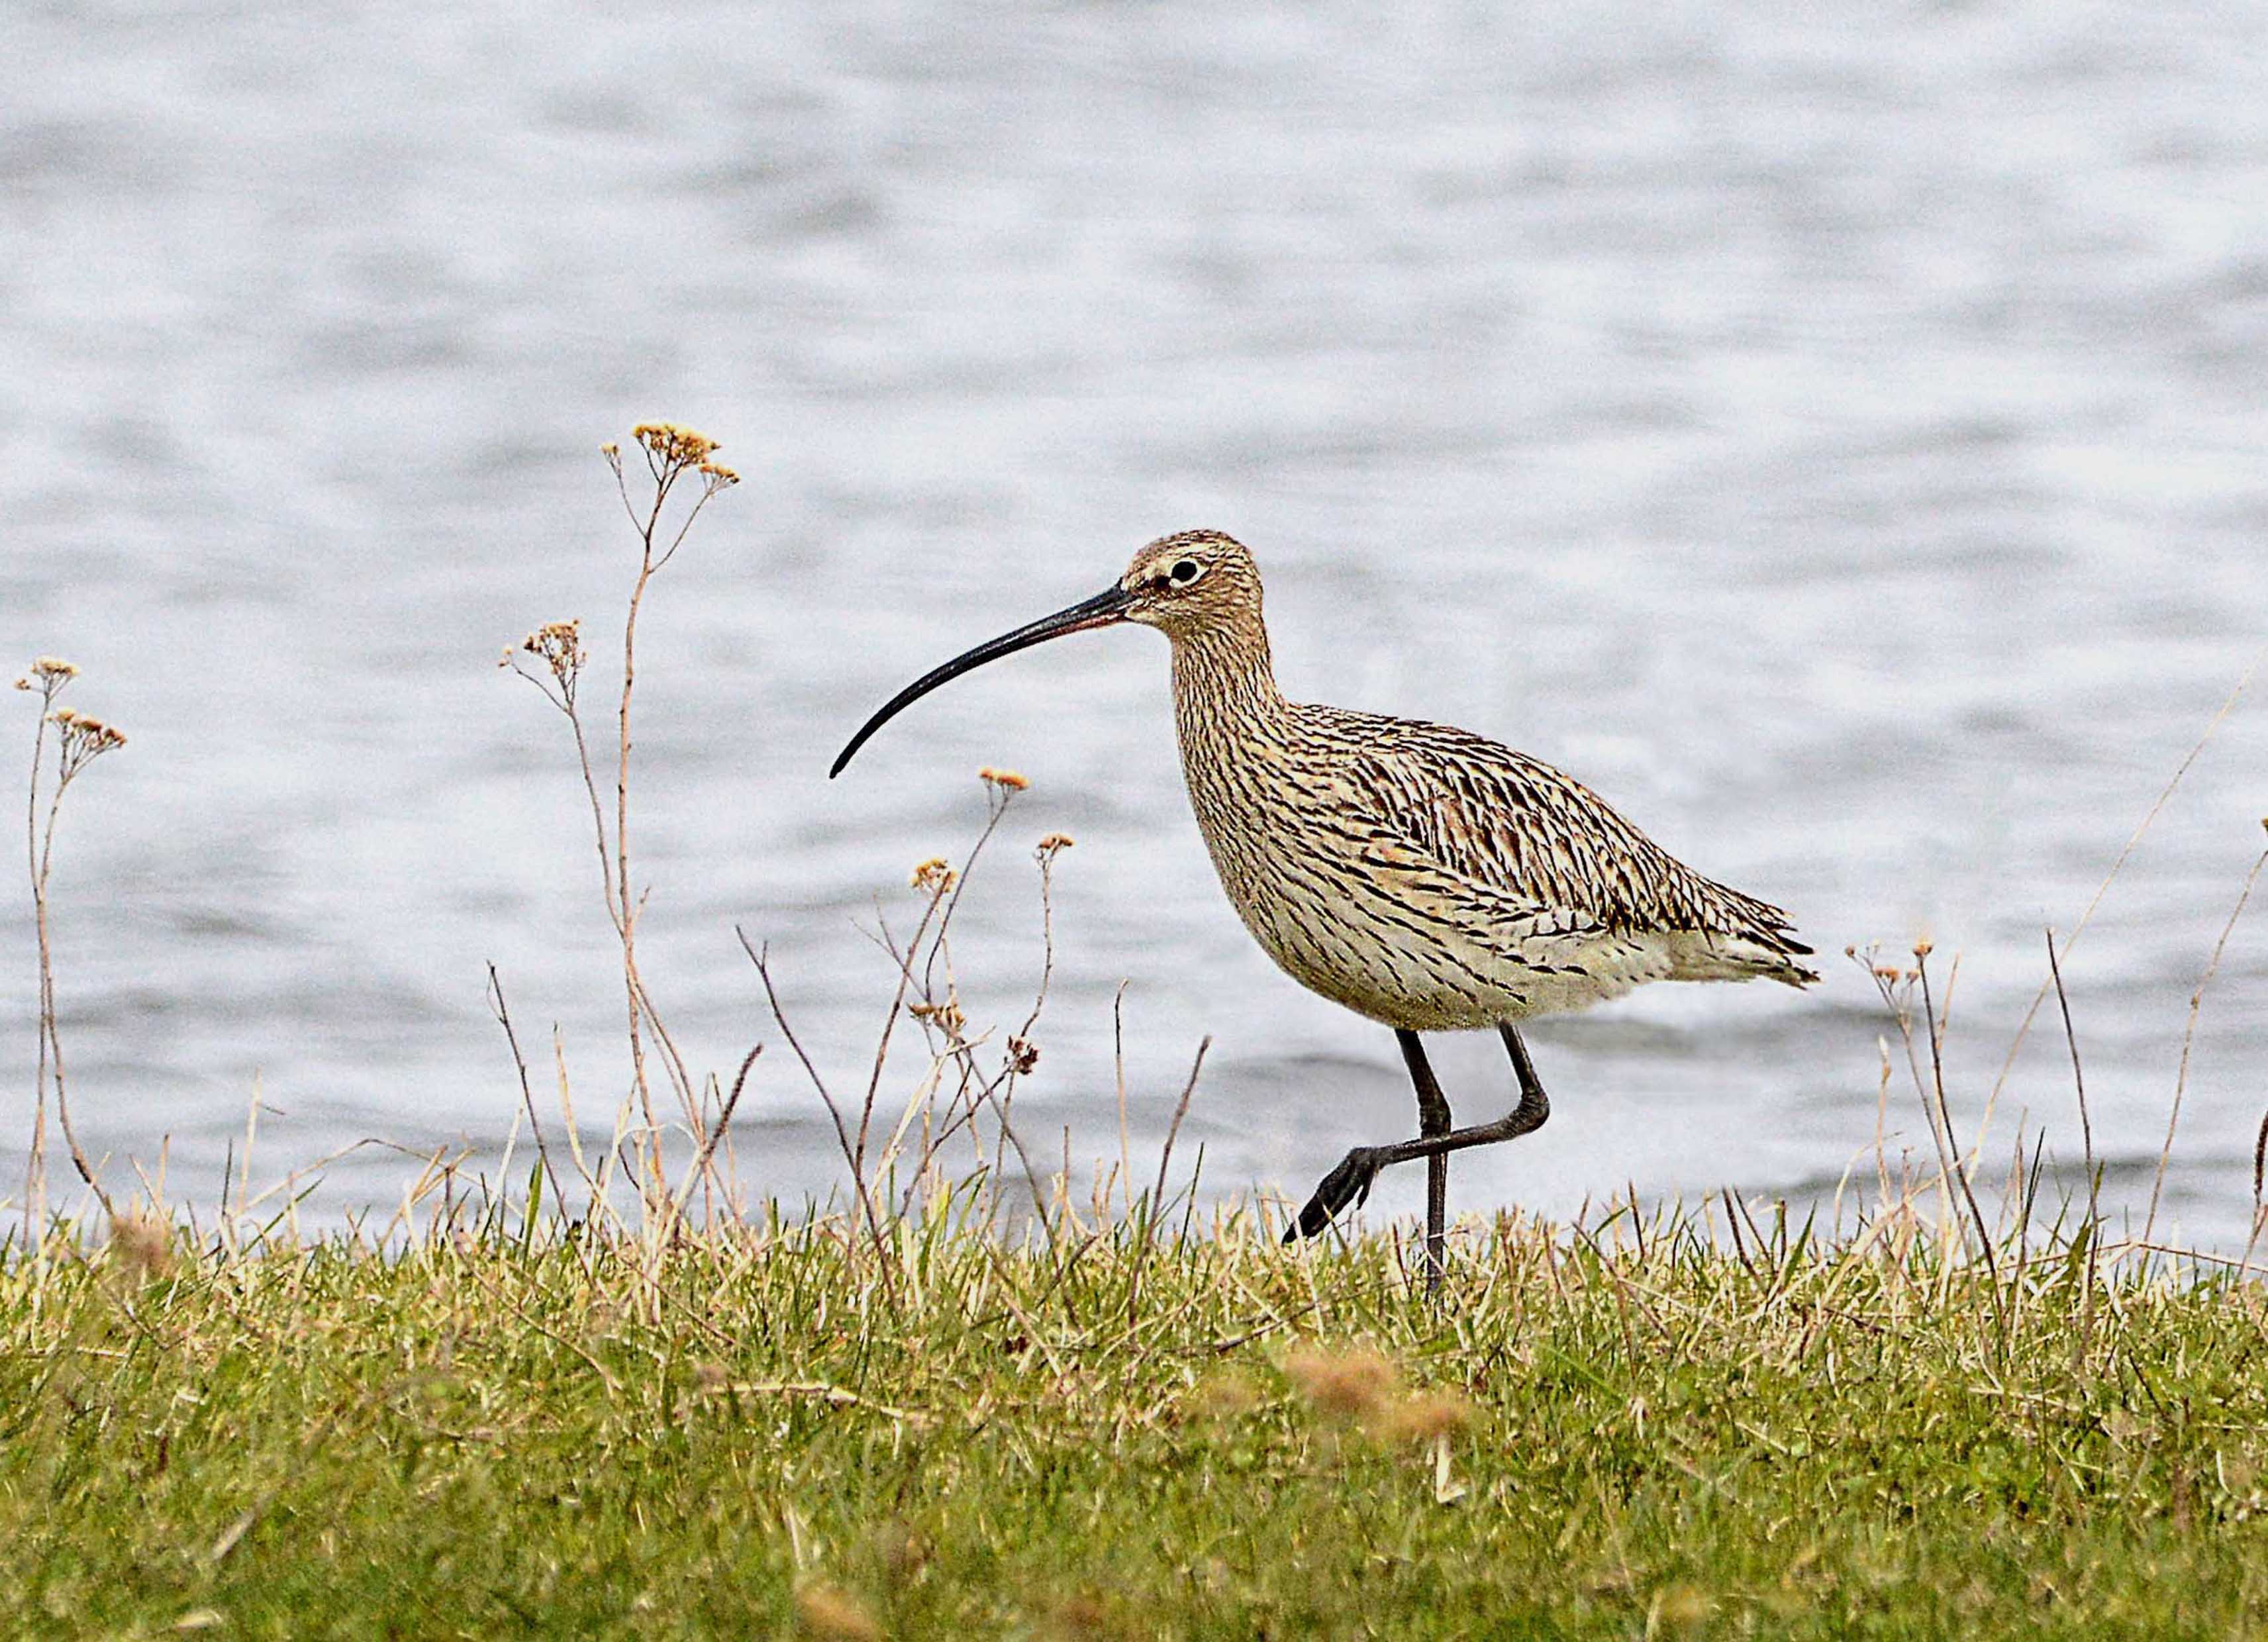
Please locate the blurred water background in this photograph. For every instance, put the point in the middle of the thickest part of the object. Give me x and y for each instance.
(1834, 433)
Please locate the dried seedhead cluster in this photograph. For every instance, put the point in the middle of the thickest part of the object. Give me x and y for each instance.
(1888, 976)
(671, 450)
(82, 739)
(558, 647)
(946, 1015)
(49, 674)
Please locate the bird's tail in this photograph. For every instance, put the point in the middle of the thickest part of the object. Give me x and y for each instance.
(1749, 940)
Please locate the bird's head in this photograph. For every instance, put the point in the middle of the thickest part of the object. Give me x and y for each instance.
(1190, 587)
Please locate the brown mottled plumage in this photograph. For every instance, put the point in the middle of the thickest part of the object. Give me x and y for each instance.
(1420, 875)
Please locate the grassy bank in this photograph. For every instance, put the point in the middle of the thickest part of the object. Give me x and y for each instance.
(799, 1431)
(913, 1428)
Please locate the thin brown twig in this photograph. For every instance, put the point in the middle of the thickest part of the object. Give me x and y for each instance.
(1897, 995)
(1157, 1193)
(671, 454)
(699, 1169)
(2165, 796)
(628, 920)
(79, 741)
(2259, 1158)
(997, 798)
(1181, 1111)
(1118, 1070)
(36, 1171)
(1944, 1115)
(2189, 1039)
(758, 957)
(595, 1201)
(857, 1149)
(1001, 1091)
(2094, 1230)
(502, 1012)
(1020, 1040)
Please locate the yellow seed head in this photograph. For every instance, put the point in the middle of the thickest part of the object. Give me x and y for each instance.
(933, 875)
(1007, 780)
(1426, 1416)
(1345, 1385)
(558, 646)
(830, 1614)
(1052, 845)
(140, 1245)
(671, 445)
(84, 738)
(946, 1016)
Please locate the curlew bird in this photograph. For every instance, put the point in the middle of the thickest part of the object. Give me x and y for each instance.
(1422, 876)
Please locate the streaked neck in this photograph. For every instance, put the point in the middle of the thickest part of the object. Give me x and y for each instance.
(1224, 685)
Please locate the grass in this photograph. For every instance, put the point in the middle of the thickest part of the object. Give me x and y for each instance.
(792, 1430)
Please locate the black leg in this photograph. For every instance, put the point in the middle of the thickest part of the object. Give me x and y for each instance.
(1350, 1183)
(1434, 1119)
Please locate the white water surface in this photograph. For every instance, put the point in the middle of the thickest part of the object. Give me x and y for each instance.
(1834, 433)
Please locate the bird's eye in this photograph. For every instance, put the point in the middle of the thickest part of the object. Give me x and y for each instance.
(1185, 571)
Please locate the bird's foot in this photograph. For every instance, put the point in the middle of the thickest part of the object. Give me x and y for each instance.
(1347, 1185)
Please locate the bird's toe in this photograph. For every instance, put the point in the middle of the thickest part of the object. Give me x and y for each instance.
(1348, 1184)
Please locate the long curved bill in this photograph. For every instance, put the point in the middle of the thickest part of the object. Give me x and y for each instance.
(1104, 608)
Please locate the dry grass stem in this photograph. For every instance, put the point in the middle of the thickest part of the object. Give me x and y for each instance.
(79, 741)
(2189, 1040)
(678, 461)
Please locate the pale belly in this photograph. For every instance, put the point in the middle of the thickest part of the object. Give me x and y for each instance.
(1400, 944)
(1398, 965)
